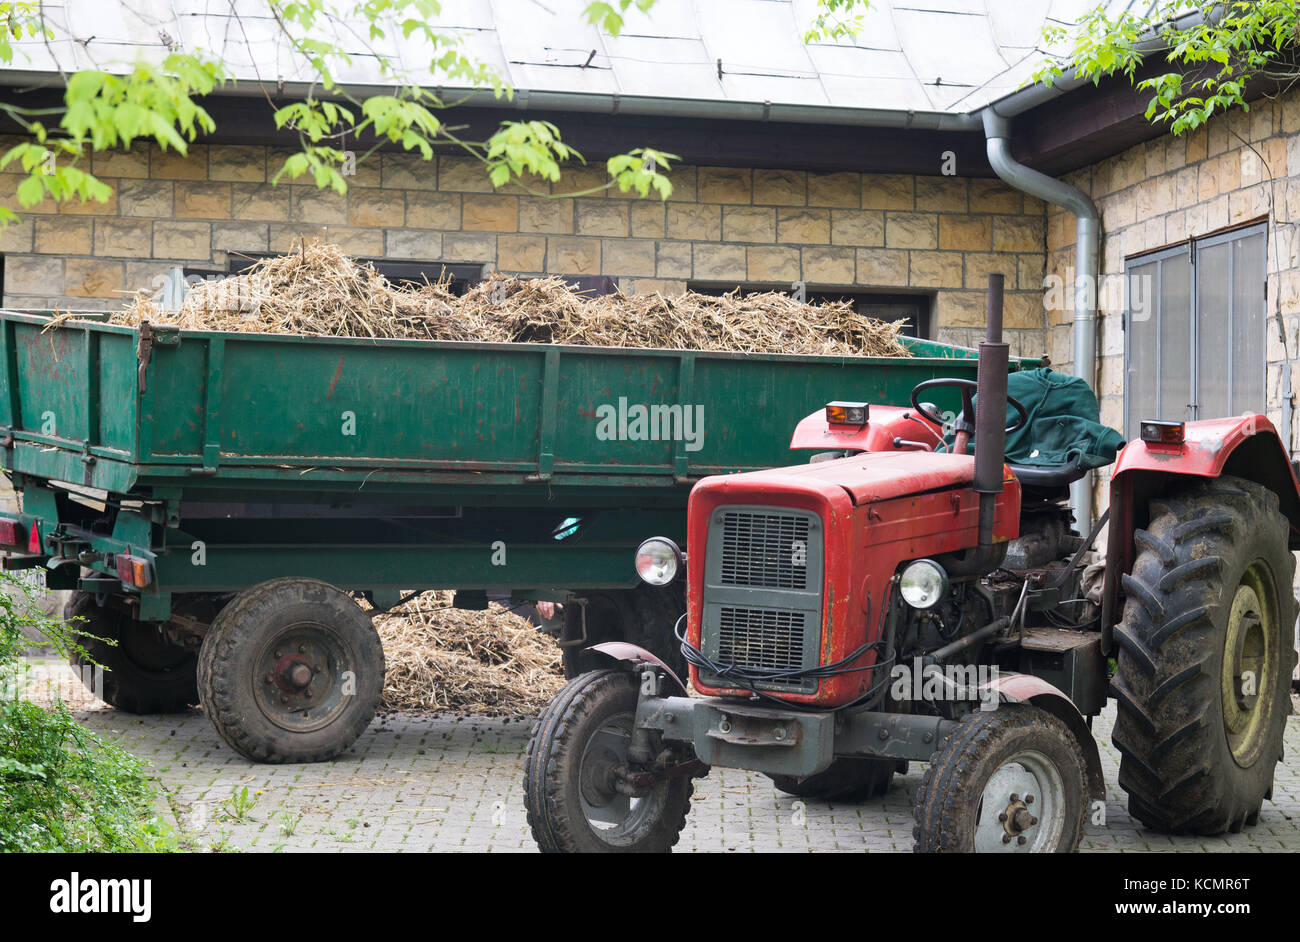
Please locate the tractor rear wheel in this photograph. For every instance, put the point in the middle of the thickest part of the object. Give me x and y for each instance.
(575, 774)
(291, 671)
(143, 672)
(1205, 658)
(645, 616)
(1012, 780)
(847, 780)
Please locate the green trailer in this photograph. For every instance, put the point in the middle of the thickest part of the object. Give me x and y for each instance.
(218, 500)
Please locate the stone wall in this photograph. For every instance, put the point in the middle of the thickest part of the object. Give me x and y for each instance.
(940, 235)
(1240, 168)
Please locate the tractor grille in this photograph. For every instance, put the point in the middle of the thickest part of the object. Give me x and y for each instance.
(766, 639)
(764, 550)
(762, 610)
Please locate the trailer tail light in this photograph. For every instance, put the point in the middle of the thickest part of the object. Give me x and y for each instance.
(133, 570)
(10, 533)
(847, 413)
(34, 539)
(1162, 433)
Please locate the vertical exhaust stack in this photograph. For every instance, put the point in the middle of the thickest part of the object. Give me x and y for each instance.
(991, 412)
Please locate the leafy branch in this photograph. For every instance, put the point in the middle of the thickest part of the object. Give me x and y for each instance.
(1212, 59)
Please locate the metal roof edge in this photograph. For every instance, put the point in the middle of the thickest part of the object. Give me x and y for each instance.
(1010, 105)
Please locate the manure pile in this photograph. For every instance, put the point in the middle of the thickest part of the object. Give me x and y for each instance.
(491, 663)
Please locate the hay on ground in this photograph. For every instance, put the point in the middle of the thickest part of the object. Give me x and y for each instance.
(318, 289)
(491, 663)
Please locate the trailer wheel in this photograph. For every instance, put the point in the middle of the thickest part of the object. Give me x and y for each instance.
(1205, 658)
(291, 671)
(645, 616)
(1012, 780)
(143, 672)
(572, 768)
(845, 779)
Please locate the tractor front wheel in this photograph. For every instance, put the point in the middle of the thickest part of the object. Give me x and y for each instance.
(579, 790)
(1012, 780)
(1205, 658)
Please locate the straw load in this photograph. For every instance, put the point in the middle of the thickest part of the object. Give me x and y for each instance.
(318, 289)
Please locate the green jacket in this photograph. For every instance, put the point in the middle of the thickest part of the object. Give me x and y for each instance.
(1064, 422)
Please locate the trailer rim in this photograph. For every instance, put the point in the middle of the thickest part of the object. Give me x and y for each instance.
(300, 670)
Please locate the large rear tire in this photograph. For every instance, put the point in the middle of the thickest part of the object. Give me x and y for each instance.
(1012, 780)
(846, 779)
(1205, 658)
(644, 616)
(572, 768)
(291, 671)
(143, 671)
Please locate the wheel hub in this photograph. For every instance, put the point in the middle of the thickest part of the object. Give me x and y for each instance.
(1249, 668)
(1021, 806)
(293, 674)
(613, 805)
(1017, 819)
(301, 678)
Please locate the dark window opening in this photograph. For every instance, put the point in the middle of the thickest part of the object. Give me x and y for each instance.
(463, 275)
(912, 309)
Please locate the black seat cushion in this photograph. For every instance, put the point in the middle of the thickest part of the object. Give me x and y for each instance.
(1048, 476)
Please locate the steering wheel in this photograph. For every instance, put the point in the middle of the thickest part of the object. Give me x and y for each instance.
(965, 423)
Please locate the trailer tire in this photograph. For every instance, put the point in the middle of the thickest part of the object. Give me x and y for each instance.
(645, 616)
(291, 671)
(845, 780)
(1205, 656)
(560, 786)
(143, 673)
(966, 801)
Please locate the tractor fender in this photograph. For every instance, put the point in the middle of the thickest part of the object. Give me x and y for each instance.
(632, 654)
(1026, 688)
(1246, 446)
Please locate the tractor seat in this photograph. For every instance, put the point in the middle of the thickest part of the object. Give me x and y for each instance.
(1046, 477)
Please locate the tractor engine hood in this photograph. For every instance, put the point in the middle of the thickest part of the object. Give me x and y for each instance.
(866, 478)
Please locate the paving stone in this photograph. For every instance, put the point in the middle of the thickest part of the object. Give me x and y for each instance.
(437, 782)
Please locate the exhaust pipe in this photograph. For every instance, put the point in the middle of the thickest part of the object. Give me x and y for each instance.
(991, 413)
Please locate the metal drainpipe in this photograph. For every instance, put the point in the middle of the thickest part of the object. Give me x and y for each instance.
(997, 132)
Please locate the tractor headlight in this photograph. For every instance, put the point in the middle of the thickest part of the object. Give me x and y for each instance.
(658, 560)
(923, 583)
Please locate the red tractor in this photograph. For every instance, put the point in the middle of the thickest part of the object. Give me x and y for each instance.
(908, 601)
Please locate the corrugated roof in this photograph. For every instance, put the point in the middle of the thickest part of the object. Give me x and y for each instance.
(944, 56)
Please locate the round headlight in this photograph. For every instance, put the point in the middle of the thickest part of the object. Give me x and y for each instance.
(657, 560)
(923, 583)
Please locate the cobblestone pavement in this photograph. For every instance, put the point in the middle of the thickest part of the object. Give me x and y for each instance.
(453, 783)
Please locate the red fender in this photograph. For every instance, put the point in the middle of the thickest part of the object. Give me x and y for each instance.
(632, 654)
(1245, 446)
(1026, 688)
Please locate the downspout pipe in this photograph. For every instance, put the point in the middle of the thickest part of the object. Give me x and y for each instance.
(997, 133)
